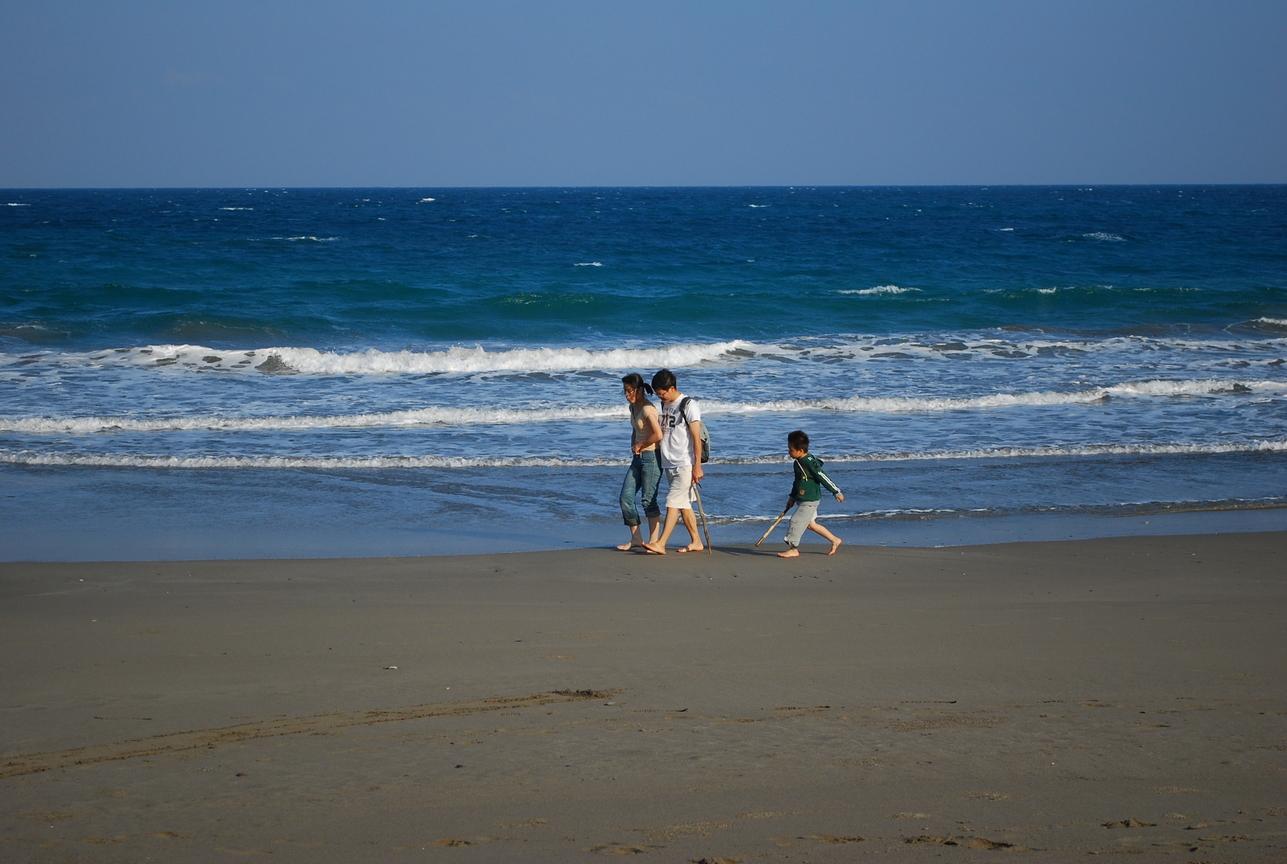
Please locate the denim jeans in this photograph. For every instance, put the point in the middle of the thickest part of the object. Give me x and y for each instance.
(643, 477)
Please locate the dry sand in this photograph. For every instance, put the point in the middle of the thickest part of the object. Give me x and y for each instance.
(1034, 701)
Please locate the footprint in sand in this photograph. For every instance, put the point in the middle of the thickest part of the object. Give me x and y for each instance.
(1130, 823)
(620, 849)
(966, 842)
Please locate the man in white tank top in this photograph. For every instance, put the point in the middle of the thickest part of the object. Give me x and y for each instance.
(681, 432)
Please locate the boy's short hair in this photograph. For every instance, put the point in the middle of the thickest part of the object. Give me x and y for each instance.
(797, 440)
(663, 380)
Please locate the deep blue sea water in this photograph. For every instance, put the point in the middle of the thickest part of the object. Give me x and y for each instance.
(213, 373)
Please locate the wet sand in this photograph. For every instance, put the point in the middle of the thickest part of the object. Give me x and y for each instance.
(1038, 700)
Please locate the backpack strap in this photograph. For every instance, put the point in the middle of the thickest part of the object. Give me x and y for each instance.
(683, 407)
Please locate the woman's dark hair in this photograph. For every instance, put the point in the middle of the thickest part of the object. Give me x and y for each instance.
(634, 381)
(663, 380)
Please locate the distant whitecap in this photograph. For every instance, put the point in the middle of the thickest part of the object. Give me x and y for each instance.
(879, 289)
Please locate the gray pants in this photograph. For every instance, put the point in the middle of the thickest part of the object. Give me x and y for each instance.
(804, 513)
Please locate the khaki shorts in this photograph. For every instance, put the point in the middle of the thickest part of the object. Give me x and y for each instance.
(679, 488)
(805, 513)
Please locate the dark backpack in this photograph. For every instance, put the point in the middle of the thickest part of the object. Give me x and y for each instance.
(706, 435)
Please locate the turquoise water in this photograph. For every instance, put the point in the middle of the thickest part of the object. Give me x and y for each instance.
(396, 371)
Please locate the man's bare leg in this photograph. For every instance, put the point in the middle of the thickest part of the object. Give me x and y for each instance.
(690, 522)
(654, 528)
(636, 539)
(835, 541)
(658, 546)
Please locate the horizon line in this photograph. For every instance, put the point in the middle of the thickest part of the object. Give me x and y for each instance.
(267, 186)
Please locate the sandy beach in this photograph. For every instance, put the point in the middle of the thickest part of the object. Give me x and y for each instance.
(1041, 700)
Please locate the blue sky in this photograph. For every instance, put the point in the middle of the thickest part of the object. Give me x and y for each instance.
(659, 93)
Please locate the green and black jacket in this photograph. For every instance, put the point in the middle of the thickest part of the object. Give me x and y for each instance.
(808, 477)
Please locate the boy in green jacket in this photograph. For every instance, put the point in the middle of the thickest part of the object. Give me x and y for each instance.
(806, 495)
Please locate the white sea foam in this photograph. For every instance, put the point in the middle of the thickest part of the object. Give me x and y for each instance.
(12, 204)
(310, 361)
(446, 416)
(1103, 235)
(1172, 449)
(236, 208)
(309, 237)
(314, 362)
(414, 418)
(29, 457)
(931, 405)
(1178, 449)
(1125, 508)
(183, 359)
(879, 289)
(426, 200)
(1273, 322)
(588, 264)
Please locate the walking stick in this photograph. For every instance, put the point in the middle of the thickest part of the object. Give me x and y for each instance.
(702, 511)
(771, 527)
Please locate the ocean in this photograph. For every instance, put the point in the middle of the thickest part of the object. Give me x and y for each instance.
(217, 373)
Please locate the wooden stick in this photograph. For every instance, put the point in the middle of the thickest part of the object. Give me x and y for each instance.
(702, 511)
(771, 527)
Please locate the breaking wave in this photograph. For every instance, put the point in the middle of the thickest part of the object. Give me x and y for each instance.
(977, 346)
(310, 361)
(314, 362)
(446, 416)
(914, 405)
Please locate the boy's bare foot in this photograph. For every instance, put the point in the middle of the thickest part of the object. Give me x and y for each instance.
(835, 544)
(790, 553)
(692, 547)
(653, 550)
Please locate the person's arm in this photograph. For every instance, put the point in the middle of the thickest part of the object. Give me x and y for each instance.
(654, 431)
(695, 433)
(822, 478)
(797, 474)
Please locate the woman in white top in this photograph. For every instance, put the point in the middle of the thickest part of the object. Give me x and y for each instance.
(644, 476)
